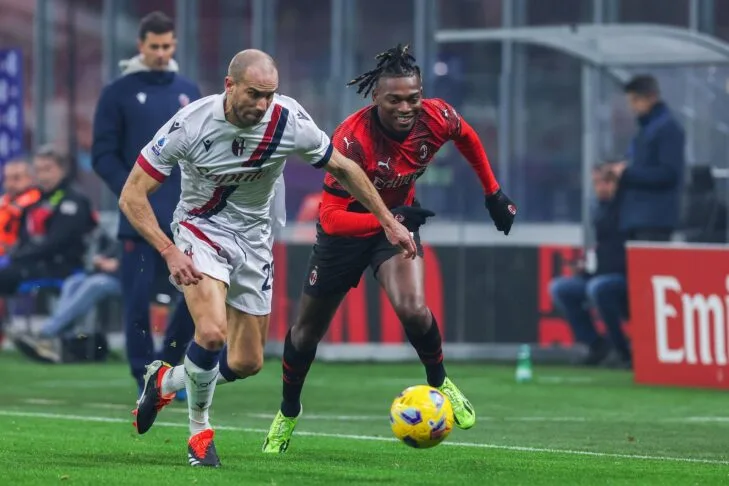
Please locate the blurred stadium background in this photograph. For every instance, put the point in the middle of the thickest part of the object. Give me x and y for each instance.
(540, 80)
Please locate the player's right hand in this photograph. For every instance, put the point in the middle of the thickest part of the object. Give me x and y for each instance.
(412, 217)
(181, 267)
(502, 211)
(399, 235)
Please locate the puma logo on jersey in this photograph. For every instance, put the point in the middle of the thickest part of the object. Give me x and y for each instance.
(385, 165)
(347, 142)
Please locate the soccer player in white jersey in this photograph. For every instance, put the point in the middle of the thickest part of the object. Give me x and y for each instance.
(231, 148)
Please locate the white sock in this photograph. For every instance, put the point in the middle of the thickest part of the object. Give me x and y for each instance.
(174, 380)
(200, 385)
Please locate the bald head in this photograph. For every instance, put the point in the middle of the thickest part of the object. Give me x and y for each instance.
(254, 60)
(250, 86)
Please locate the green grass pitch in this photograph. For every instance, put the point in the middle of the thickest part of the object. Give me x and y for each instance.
(71, 425)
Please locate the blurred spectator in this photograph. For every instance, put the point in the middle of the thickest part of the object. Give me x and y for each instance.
(80, 294)
(53, 233)
(19, 194)
(130, 111)
(606, 288)
(651, 183)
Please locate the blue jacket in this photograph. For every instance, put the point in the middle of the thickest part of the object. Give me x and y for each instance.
(610, 241)
(129, 113)
(650, 188)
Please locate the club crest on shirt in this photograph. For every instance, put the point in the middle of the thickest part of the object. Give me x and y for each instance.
(423, 152)
(238, 146)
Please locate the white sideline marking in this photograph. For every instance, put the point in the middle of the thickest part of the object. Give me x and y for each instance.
(378, 418)
(564, 379)
(270, 416)
(43, 401)
(11, 413)
(706, 419)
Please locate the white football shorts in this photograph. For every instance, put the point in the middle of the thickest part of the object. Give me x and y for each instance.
(243, 261)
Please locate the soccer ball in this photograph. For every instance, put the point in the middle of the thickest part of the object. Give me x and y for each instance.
(421, 416)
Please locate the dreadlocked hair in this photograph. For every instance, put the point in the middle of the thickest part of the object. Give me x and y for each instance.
(395, 62)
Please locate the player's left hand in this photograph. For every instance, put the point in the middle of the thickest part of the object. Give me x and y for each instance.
(398, 235)
(502, 211)
(412, 217)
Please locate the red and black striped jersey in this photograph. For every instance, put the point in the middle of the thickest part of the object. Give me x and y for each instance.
(394, 165)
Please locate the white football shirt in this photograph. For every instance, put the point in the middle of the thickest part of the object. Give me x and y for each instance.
(228, 173)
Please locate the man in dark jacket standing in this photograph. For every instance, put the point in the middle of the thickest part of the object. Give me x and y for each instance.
(651, 183)
(130, 111)
(605, 289)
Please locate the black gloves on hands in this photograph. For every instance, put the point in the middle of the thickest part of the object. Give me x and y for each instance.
(502, 211)
(412, 217)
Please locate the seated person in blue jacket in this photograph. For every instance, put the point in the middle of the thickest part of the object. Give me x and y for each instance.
(606, 288)
(80, 294)
(52, 238)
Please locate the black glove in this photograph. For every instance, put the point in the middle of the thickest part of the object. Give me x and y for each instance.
(502, 211)
(412, 217)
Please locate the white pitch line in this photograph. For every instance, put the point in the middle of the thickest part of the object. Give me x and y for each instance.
(372, 418)
(55, 416)
(336, 418)
(43, 401)
(706, 419)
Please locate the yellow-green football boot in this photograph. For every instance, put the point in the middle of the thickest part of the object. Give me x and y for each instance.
(279, 435)
(463, 413)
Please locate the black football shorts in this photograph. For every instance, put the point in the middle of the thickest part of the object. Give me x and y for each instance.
(337, 263)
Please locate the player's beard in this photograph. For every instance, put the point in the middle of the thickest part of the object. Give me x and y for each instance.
(248, 118)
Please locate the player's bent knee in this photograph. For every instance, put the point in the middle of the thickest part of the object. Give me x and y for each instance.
(305, 337)
(411, 308)
(245, 367)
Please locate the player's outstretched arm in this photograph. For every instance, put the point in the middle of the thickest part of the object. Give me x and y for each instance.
(355, 181)
(500, 207)
(134, 203)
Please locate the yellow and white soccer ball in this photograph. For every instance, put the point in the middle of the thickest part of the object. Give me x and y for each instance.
(421, 416)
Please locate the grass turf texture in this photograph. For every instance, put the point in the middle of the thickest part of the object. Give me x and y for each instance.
(71, 424)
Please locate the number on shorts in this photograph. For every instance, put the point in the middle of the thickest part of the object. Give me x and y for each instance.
(268, 268)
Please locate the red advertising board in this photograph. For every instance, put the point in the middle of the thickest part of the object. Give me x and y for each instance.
(679, 306)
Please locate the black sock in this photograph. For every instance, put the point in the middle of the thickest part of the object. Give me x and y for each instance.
(295, 366)
(428, 347)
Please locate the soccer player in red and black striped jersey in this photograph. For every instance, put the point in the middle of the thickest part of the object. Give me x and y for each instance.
(393, 140)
